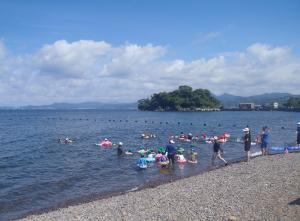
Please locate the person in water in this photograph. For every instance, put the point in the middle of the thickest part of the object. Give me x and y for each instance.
(264, 140)
(193, 155)
(163, 158)
(171, 150)
(190, 136)
(142, 161)
(119, 149)
(247, 142)
(217, 151)
(182, 136)
(298, 133)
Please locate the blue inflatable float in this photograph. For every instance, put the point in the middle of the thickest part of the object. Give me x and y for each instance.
(294, 148)
(282, 149)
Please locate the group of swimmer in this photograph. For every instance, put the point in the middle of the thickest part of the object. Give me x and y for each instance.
(169, 155)
(165, 156)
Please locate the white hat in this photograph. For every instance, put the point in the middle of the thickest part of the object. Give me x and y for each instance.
(246, 129)
(120, 143)
(106, 139)
(215, 137)
(172, 141)
(298, 123)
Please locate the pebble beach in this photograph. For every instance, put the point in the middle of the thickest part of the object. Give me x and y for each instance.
(266, 188)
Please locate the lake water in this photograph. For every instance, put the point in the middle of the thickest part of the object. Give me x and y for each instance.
(39, 173)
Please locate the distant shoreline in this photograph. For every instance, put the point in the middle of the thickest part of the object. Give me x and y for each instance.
(115, 109)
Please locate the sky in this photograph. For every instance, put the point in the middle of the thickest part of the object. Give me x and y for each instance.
(122, 51)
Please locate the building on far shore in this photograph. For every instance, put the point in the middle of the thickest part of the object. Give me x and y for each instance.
(258, 107)
(246, 106)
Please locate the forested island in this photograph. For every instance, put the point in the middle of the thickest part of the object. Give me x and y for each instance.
(293, 102)
(182, 99)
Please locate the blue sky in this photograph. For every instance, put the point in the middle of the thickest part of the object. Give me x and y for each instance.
(181, 25)
(173, 35)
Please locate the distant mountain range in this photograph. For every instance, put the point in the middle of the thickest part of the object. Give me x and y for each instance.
(83, 105)
(230, 100)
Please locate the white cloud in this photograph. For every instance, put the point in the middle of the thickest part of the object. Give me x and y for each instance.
(69, 60)
(266, 53)
(97, 71)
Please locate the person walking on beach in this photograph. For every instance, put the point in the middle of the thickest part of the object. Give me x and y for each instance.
(217, 151)
(264, 140)
(171, 150)
(298, 133)
(247, 142)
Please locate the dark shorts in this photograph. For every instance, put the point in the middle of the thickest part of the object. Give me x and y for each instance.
(247, 147)
(298, 140)
(264, 145)
(216, 150)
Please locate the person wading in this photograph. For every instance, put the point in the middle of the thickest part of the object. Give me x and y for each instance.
(298, 133)
(217, 151)
(171, 150)
(247, 142)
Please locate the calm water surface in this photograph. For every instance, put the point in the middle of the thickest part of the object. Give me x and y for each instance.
(39, 173)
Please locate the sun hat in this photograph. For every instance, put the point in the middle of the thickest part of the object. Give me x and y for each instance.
(298, 123)
(172, 141)
(120, 143)
(246, 129)
(106, 139)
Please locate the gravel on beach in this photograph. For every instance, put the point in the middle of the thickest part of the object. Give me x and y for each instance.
(266, 188)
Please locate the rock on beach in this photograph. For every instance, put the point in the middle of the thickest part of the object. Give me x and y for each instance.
(266, 188)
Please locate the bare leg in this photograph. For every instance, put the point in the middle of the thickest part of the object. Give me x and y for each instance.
(221, 158)
(213, 159)
(248, 155)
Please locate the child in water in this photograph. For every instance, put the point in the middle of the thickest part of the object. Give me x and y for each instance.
(142, 163)
(164, 161)
(119, 149)
(193, 155)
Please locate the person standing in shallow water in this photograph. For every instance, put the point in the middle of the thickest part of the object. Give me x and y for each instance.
(247, 142)
(298, 133)
(171, 150)
(119, 149)
(264, 140)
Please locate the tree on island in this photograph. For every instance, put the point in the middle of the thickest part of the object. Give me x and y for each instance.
(184, 98)
(293, 102)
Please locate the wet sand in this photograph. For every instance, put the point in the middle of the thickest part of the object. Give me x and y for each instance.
(266, 188)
